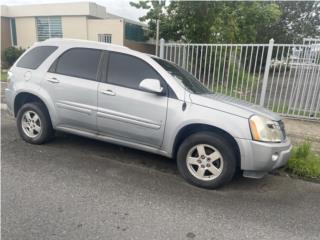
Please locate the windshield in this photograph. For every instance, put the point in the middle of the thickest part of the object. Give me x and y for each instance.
(187, 80)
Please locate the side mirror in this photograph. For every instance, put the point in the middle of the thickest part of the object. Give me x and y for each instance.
(151, 85)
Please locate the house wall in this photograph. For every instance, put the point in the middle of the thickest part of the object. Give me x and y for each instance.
(83, 20)
(106, 26)
(5, 33)
(26, 31)
(74, 27)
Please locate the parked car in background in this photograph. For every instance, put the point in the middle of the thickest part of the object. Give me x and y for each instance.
(118, 95)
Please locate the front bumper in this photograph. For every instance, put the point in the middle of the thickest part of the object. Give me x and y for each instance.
(256, 157)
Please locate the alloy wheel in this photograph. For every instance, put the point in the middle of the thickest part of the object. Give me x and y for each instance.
(204, 162)
(31, 124)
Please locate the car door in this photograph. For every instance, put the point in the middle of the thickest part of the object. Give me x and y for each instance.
(124, 110)
(72, 85)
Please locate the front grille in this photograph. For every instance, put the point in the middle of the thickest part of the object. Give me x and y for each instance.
(282, 128)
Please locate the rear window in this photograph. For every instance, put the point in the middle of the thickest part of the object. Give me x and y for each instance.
(36, 56)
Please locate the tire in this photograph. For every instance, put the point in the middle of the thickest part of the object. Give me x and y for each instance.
(34, 123)
(214, 168)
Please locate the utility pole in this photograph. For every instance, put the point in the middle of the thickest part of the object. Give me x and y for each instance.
(157, 31)
(157, 37)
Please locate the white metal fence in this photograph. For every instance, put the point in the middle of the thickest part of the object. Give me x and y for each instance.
(282, 77)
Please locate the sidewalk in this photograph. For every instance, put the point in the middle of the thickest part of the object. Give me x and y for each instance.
(3, 86)
(299, 130)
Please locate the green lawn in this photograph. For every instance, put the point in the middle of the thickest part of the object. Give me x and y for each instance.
(303, 162)
(3, 76)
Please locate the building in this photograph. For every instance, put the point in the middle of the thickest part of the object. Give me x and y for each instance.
(23, 25)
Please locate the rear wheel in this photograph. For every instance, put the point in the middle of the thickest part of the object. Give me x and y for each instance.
(206, 160)
(34, 124)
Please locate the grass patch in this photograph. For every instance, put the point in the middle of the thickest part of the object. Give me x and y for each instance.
(3, 76)
(303, 162)
(236, 82)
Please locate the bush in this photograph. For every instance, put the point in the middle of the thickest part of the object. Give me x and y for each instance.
(303, 162)
(11, 54)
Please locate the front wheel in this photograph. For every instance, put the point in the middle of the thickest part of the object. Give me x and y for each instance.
(206, 160)
(34, 124)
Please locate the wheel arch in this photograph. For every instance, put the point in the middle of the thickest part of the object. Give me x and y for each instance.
(190, 129)
(24, 97)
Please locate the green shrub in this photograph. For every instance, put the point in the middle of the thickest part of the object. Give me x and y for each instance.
(11, 54)
(3, 76)
(303, 162)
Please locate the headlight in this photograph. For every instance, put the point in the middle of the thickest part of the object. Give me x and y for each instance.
(265, 130)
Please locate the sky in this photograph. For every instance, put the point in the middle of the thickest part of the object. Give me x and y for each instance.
(118, 7)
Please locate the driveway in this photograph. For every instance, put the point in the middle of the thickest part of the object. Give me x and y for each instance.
(77, 188)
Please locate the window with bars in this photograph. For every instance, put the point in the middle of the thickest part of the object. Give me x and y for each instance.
(107, 38)
(48, 27)
(13, 32)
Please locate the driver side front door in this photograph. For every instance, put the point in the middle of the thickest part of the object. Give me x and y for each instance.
(125, 111)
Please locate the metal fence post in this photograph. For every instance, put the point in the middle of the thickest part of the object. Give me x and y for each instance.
(161, 48)
(184, 56)
(266, 72)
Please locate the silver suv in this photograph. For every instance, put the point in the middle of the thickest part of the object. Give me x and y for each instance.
(118, 95)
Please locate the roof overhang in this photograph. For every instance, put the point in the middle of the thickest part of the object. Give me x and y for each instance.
(88, 9)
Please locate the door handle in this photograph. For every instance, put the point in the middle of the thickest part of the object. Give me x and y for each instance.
(53, 80)
(108, 92)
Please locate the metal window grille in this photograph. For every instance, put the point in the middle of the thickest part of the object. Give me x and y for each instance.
(107, 38)
(48, 27)
(13, 32)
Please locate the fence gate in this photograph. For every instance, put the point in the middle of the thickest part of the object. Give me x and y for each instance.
(284, 78)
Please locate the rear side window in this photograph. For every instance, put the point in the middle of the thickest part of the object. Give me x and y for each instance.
(33, 58)
(129, 71)
(79, 62)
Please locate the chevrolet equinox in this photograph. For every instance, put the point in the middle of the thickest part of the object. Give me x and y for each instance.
(114, 94)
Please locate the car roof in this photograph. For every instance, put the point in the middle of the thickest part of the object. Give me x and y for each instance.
(68, 42)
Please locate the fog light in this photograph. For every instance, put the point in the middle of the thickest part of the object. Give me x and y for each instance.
(275, 157)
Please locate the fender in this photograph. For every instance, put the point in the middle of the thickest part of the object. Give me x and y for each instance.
(176, 121)
(35, 89)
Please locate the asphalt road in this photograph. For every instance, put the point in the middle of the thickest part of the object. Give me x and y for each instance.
(76, 188)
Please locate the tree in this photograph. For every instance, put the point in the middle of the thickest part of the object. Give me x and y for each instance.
(299, 19)
(209, 21)
(155, 11)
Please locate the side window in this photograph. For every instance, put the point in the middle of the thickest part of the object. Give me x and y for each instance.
(78, 62)
(36, 56)
(128, 71)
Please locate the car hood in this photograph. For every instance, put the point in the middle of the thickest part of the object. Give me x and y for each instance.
(232, 105)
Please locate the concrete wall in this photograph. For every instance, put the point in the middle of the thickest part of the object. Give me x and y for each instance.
(106, 26)
(74, 27)
(5, 33)
(26, 31)
(79, 27)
